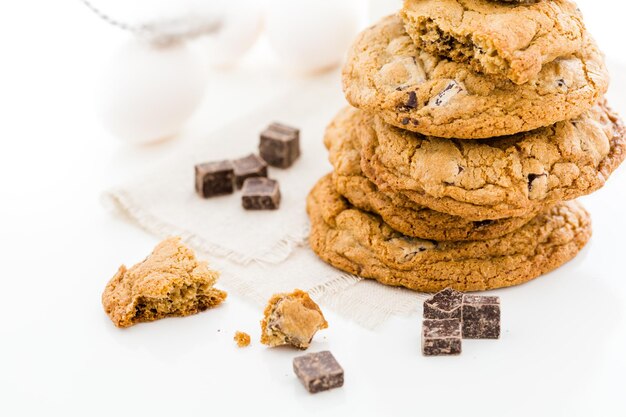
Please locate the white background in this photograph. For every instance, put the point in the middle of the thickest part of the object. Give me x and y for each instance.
(563, 344)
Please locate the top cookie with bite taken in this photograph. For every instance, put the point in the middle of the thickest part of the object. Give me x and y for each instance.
(513, 40)
(388, 74)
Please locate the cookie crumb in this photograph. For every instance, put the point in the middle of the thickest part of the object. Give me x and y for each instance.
(242, 339)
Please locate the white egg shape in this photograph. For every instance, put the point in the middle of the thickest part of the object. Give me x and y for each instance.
(313, 35)
(241, 23)
(149, 92)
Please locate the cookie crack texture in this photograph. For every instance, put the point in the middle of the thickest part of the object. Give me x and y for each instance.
(414, 220)
(361, 243)
(380, 69)
(498, 178)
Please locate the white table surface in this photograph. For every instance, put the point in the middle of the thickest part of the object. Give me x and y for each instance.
(564, 336)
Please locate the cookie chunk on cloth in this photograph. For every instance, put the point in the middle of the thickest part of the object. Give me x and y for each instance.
(169, 282)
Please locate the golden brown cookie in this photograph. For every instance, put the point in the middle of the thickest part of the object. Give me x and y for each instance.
(362, 244)
(398, 211)
(496, 178)
(291, 319)
(495, 38)
(387, 74)
(169, 282)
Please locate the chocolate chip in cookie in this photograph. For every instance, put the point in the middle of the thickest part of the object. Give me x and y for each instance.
(537, 185)
(411, 103)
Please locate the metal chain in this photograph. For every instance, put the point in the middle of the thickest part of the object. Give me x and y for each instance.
(110, 20)
(165, 32)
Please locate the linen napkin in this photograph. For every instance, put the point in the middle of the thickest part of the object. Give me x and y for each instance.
(259, 253)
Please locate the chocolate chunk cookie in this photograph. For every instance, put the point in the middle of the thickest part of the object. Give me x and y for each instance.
(387, 74)
(495, 38)
(498, 178)
(398, 211)
(363, 244)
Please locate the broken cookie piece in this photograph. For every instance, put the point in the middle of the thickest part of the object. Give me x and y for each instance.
(242, 339)
(169, 282)
(291, 319)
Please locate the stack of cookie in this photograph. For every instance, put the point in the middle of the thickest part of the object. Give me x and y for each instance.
(475, 125)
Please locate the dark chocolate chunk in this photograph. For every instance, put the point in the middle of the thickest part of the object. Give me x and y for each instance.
(408, 105)
(482, 223)
(412, 101)
(445, 304)
(215, 178)
(441, 337)
(249, 167)
(260, 194)
(318, 371)
(280, 145)
(481, 317)
(532, 178)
